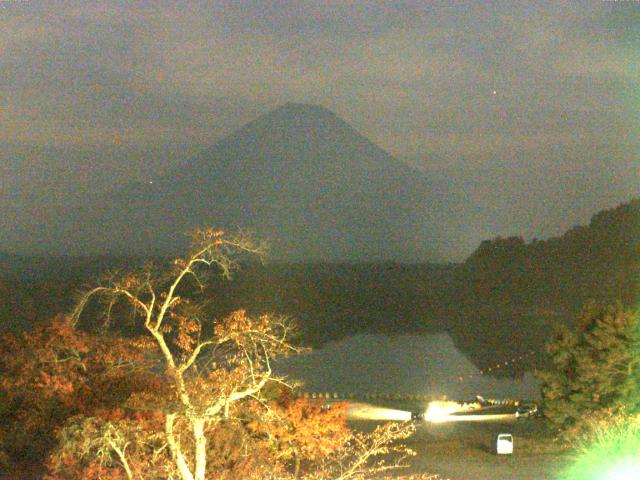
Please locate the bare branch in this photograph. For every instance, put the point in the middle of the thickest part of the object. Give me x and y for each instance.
(194, 355)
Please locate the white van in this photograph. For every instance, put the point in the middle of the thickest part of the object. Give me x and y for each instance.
(504, 444)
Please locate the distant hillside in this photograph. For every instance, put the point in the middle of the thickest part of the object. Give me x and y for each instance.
(507, 296)
(299, 176)
(500, 304)
(333, 301)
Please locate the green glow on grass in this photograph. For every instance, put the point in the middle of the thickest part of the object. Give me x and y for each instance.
(624, 471)
(614, 454)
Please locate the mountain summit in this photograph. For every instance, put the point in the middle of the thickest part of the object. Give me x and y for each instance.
(299, 176)
(299, 134)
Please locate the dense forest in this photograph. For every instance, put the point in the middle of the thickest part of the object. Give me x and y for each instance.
(509, 294)
(503, 301)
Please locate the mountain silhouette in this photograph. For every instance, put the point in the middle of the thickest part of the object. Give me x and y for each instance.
(299, 177)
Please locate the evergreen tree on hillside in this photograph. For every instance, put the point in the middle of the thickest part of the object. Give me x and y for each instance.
(593, 368)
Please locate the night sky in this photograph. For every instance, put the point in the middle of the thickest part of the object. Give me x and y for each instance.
(530, 108)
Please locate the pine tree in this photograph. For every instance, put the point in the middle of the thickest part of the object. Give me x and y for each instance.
(594, 367)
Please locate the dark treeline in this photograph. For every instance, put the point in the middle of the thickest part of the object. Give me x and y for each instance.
(503, 301)
(331, 301)
(508, 295)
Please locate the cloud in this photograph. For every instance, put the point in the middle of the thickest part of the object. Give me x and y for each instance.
(416, 77)
(408, 75)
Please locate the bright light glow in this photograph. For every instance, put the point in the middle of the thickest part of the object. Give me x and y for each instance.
(364, 411)
(625, 471)
(439, 411)
(611, 455)
(448, 411)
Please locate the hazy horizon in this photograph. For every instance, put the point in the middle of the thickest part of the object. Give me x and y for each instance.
(526, 112)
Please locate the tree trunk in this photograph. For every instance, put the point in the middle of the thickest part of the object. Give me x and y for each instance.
(296, 471)
(174, 448)
(123, 459)
(201, 448)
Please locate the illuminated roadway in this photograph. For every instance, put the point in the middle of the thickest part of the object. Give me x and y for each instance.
(365, 411)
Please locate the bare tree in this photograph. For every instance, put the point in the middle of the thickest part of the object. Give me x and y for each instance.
(210, 365)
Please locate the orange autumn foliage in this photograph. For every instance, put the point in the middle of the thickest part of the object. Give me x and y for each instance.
(53, 372)
(168, 392)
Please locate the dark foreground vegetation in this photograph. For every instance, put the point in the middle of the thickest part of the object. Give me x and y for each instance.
(138, 381)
